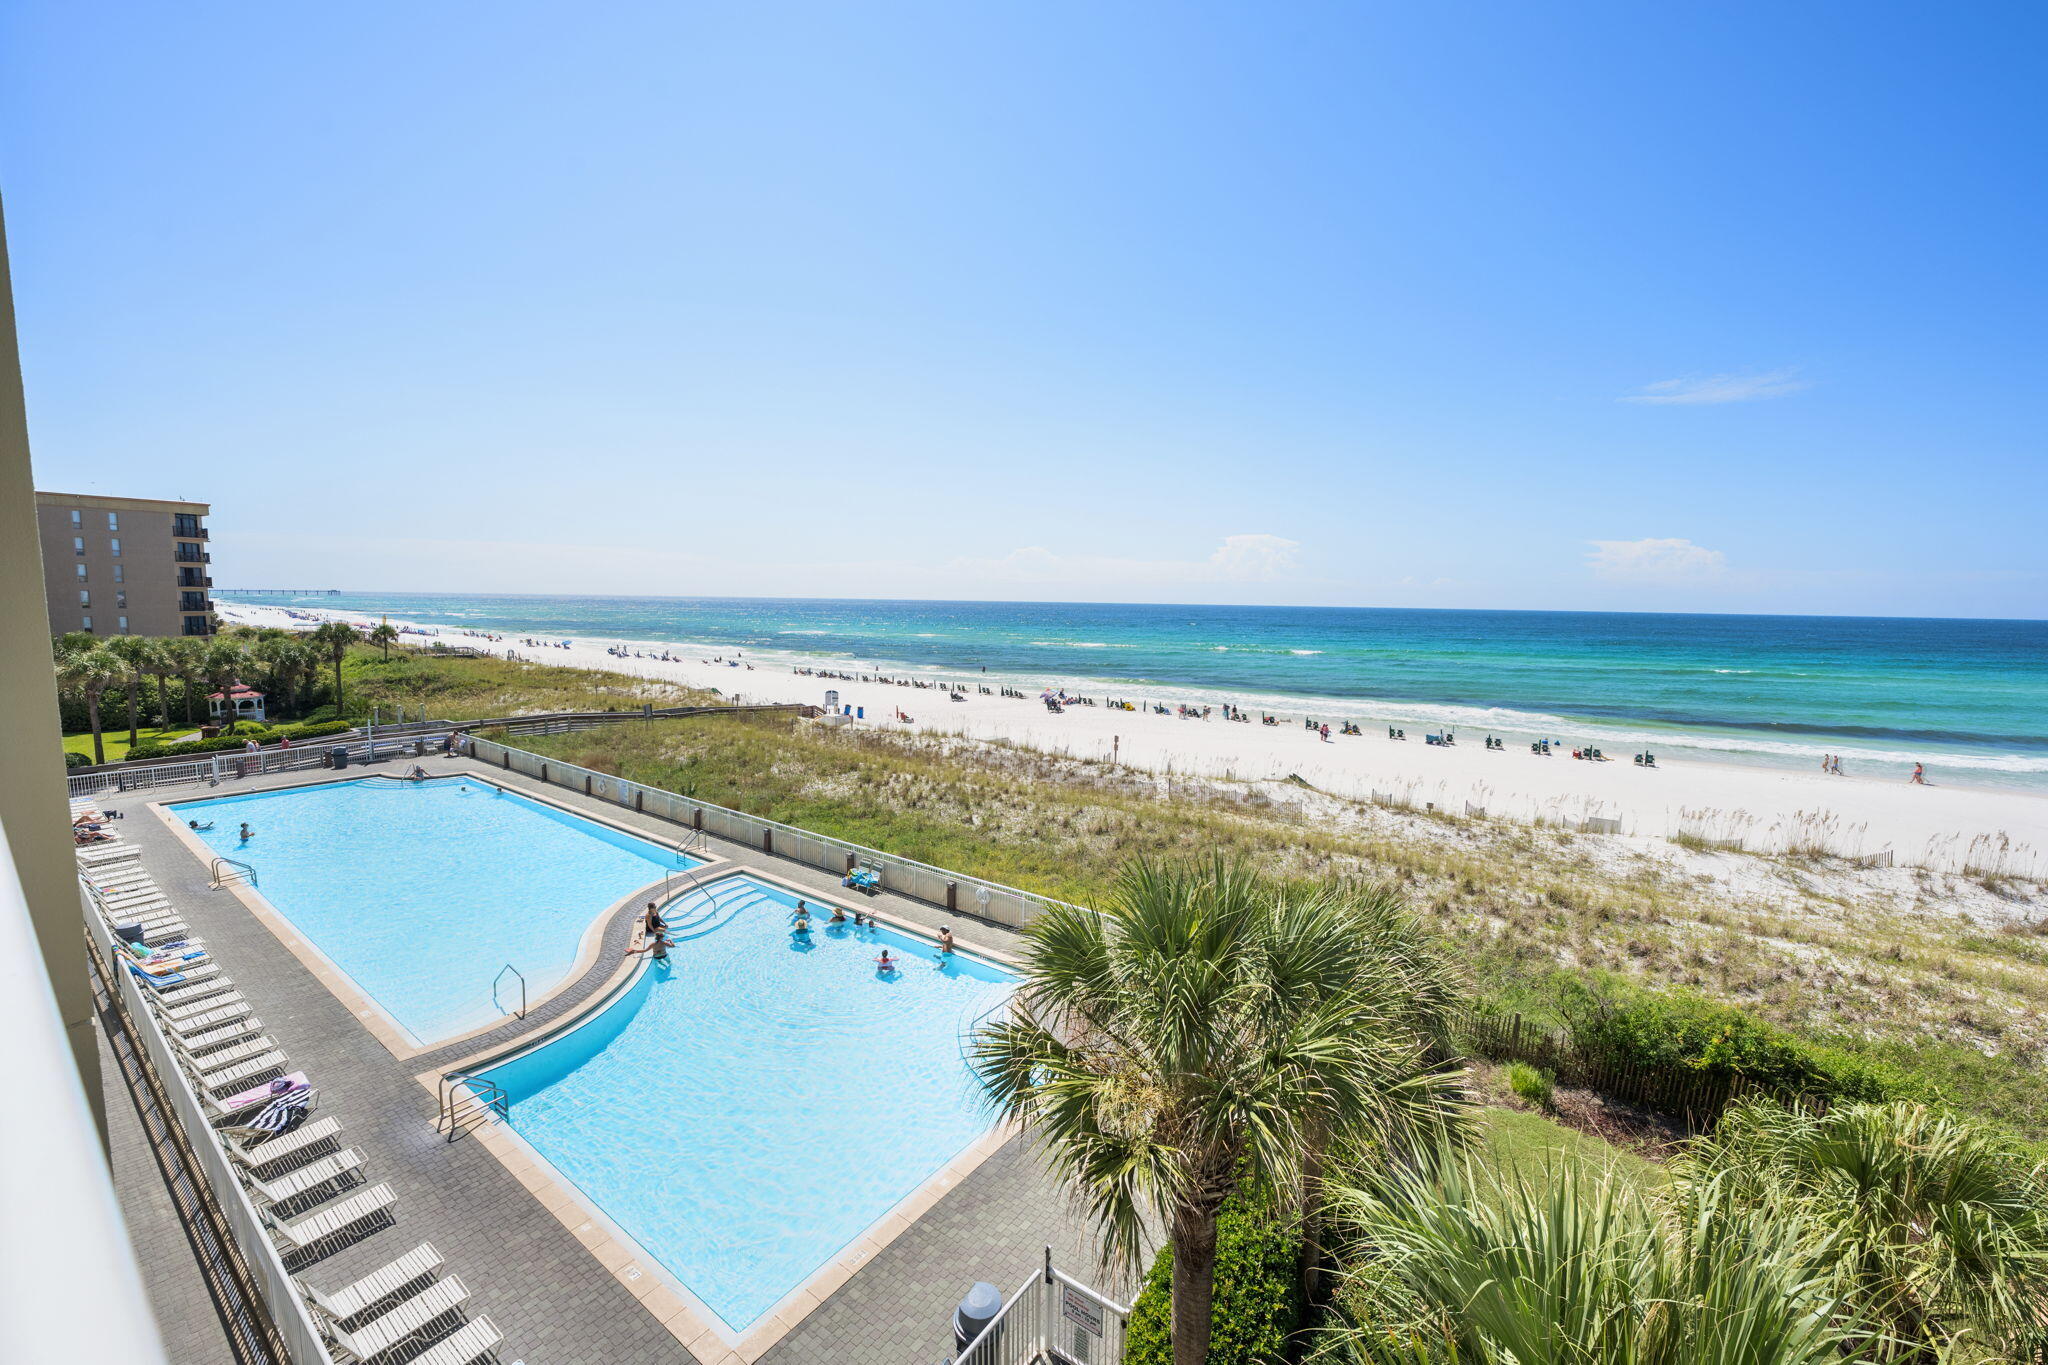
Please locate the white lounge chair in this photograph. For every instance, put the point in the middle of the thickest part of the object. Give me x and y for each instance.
(381, 1333)
(221, 1059)
(189, 1019)
(474, 1341)
(245, 1151)
(295, 1183)
(169, 984)
(330, 1220)
(351, 1299)
(225, 1085)
(205, 1041)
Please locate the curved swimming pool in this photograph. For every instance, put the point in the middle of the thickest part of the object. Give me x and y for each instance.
(422, 891)
(747, 1111)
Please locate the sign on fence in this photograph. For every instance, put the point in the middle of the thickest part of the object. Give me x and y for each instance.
(1081, 1310)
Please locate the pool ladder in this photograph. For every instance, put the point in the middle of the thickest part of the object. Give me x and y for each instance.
(227, 870)
(498, 980)
(466, 1098)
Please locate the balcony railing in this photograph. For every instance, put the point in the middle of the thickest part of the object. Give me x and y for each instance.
(189, 531)
(185, 556)
(192, 578)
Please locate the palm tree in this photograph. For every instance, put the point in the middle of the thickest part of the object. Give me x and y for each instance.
(158, 664)
(91, 670)
(187, 655)
(383, 637)
(1943, 1226)
(133, 651)
(1469, 1267)
(221, 665)
(283, 658)
(334, 637)
(1204, 1030)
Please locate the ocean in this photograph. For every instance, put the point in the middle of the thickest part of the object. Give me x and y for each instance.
(1967, 697)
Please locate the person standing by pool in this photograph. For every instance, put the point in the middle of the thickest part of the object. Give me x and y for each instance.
(945, 938)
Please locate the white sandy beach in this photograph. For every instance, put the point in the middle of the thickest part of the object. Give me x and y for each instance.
(1932, 825)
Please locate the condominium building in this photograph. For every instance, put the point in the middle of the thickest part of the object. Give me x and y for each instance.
(125, 566)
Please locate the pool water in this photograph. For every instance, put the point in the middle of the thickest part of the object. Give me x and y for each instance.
(748, 1110)
(423, 891)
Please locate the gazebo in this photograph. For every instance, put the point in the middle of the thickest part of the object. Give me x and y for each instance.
(247, 701)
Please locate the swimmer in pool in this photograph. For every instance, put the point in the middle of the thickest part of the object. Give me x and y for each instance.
(946, 938)
(657, 943)
(247, 833)
(838, 914)
(885, 964)
(803, 918)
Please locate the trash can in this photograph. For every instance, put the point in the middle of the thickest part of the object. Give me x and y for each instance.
(338, 755)
(975, 1313)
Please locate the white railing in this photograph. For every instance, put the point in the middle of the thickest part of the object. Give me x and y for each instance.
(281, 1294)
(992, 901)
(69, 1289)
(1052, 1318)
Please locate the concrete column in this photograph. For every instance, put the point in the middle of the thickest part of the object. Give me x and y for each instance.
(31, 765)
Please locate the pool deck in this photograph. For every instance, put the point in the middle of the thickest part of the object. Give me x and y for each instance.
(553, 1297)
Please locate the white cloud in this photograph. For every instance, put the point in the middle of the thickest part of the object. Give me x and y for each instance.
(1721, 388)
(1655, 560)
(1248, 558)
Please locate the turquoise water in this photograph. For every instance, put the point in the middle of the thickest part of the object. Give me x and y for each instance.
(422, 891)
(750, 1109)
(1969, 698)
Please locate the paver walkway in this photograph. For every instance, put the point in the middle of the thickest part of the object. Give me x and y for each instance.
(554, 1302)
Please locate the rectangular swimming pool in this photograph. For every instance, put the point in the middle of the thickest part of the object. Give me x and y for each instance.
(747, 1111)
(423, 891)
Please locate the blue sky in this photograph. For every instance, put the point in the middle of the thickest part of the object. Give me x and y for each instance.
(1722, 308)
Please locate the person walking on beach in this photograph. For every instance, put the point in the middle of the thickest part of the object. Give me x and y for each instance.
(1920, 774)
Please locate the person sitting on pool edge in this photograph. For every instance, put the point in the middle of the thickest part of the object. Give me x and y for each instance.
(945, 938)
(653, 923)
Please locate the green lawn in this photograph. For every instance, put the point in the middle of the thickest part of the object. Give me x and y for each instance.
(1533, 1144)
(116, 741)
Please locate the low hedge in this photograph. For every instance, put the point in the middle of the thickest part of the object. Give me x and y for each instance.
(244, 733)
(1257, 1303)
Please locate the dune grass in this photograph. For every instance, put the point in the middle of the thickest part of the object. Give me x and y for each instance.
(464, 689)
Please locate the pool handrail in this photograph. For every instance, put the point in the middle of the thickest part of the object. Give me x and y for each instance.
(484, 1095)
(519, 1013)
(243, 872)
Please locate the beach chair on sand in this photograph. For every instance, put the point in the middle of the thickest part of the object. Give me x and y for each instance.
(353, 1300)
(328, 1222)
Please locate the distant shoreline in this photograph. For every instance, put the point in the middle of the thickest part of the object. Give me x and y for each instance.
(1865, 814)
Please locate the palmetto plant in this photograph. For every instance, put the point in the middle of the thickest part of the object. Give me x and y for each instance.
(90, 669)
(186, 655)
(1942, 1227)
(1207, 1027)
(383, 636)
(1472, 1268)
(221, 665)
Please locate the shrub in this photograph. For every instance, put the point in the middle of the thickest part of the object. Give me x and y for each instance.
(1257, 1303)
(77, 760)
(1532, 1083)
(246, 731)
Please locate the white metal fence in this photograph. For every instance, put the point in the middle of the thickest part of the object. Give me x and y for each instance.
(281, 1295)
(1053, 1318)
(992, 901)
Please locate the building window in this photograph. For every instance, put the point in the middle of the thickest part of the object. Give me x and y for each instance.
(194, 625)
(77, 519)
(121, 624)
(120, 601)
(185, 524)
(85, 623)
(116, 544)
(120, 573)
(189, 553)
(84, 597)
(78, 545)
(81, 572)
(113, 521)
(191, 601)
